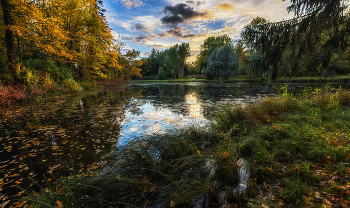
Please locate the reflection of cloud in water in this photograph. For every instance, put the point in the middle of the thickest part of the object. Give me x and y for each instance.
(156, 128)
(177, 107)
(134, 128)
(169, 120)
(155, 119)
(194, 106)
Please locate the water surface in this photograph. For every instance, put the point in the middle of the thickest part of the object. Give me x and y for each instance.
(40, 143)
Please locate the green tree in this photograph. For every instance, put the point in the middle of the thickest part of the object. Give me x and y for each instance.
(172, 60)
(161, 74)
(223, 62)
(183, 53)
(208, 46)
(301, 34)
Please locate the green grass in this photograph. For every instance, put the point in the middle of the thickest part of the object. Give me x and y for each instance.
(170, 80)
(297, 149)
(247, 79)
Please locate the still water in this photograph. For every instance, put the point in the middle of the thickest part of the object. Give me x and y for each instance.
(40, 143)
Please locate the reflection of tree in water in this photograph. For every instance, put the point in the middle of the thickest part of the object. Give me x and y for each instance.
(210, 95)
(58, 138)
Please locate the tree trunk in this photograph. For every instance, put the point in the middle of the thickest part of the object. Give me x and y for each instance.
(274, 74)
(10, 41)
(333, 69)
(178, 70)
(183, 70)
(327, 73)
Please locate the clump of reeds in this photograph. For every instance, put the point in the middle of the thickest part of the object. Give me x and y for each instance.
(178, 169)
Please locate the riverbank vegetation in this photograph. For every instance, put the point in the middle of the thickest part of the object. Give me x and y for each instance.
(290, 150)
(20, 93)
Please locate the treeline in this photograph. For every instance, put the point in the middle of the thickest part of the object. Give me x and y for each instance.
(53, 41)
(313, 43)
(219, 58)
(170, 63)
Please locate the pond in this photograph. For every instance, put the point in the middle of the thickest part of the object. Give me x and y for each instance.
(40, 143)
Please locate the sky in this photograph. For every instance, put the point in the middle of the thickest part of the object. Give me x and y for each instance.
(160, 24)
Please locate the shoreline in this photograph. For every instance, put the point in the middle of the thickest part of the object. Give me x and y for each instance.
(296, 80)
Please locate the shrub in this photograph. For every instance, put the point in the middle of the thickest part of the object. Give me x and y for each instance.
(30, 77)
(45, 68)
(71, 85)
(200, 77)
(11, 93)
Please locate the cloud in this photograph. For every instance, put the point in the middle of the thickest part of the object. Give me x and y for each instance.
(198, 3)
(131, 3)
(226, 7)
(140, 27)
(177, 32)
(179, 13)
(141, 38)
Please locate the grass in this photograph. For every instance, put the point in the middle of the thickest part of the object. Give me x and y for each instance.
(297, 150)
(247, 79)
(172, 80)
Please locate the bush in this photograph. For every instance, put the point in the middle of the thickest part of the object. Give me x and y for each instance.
(200, 77)
(30, 77)
(71, 85)
(11, 93)
(45, 69)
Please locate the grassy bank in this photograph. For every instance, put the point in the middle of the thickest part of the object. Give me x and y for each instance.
(338, 79)
(297, 153)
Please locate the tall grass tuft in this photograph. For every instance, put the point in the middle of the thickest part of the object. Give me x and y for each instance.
(184, 168)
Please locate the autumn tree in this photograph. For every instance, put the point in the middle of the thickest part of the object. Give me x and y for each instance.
(130, 64)
(72, 33)
(10, 40)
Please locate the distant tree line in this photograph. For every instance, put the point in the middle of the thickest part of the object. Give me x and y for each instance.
(172, 61)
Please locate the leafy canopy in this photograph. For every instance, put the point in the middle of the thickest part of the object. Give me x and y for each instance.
(300, 34)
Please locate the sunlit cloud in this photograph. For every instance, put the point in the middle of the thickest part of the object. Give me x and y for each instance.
(226, 7)
(131, 3)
